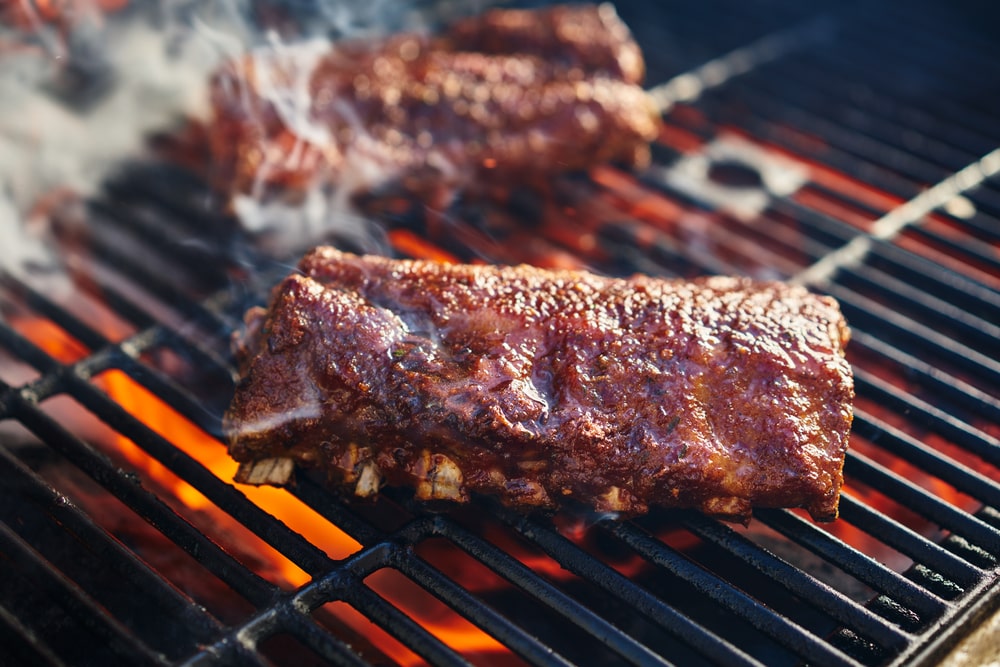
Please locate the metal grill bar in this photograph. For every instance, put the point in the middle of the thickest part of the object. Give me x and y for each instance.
(915, 497)
(867, 113)
(343, 582)
(759, 94)
(108, 250)
(912, 451)
(967, 71)
(294, 546)
(855, 563)
(948, 387)
(972, 250)
(971, 327)
(774, 625)
(303, 553)
(317, 497)
(116, 481)
(796, 581)
(529, 582)
(322, 643)
(948, 284)
(908, 542)
(955, 430)
(82, 332)
(146, 504)
(786, 136)
(120, 643)
(20, 644)
(855, 64)
(196, 622)
(987, 203)
(401, 626)
(459, 599)
(583, 565)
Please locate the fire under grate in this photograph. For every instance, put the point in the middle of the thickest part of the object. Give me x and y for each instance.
(125, 542)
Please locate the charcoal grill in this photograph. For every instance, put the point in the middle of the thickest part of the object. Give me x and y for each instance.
(890, 115)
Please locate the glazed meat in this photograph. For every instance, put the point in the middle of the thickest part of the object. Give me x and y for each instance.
(591, 38)
(511, 96)
(541, 386)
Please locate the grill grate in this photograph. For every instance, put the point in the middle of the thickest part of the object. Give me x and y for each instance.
(159, 281)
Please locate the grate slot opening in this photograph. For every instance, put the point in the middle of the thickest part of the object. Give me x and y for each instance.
(960, 477)
(907, 541)
(942, 317)
(949, 285)
(986, 200)
(776, 626)
(38, 304)
(828, 231)
(981, 269)
(306, 642)
(796, 143)
(915, 338)
(921, 48)
(962, 397)
(957, 241)
(712, 646)
(59, 522)
(169, 287)
(855, 563)
(371, 644)
(757, 95)
(292, 545)
(208, 370)
(122, 485)
(116, 521)
(798, 582)
(19, 645)
(71, 610)
(62, 347)
(402, 627)
(920, 500)
(157, 198)
(866, 132)
(477, 612)
(867, 111)
(575, 616)
(925, 415)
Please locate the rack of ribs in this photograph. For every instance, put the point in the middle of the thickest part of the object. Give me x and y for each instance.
(509, 97)
(545, 387)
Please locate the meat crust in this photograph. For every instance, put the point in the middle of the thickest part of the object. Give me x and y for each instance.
(509, 97)
(540, 386)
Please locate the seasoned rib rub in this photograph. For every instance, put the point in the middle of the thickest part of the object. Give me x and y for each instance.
(538, 386)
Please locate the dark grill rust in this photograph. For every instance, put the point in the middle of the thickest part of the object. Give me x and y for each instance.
(878, 104)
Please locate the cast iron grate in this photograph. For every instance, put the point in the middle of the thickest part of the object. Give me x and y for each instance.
(160, 279)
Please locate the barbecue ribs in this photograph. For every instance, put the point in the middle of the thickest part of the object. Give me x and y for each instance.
(508, 97)
(540, 386)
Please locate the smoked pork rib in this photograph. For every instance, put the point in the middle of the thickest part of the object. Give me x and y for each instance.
(538, 386)
(505, 98)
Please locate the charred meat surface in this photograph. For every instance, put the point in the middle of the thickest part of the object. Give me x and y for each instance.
(511, 96)
(538, 386)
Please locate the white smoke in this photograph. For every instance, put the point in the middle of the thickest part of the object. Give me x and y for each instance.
(157, 61)
(156, 73)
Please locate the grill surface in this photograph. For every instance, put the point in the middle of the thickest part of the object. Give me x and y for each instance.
(876, 109)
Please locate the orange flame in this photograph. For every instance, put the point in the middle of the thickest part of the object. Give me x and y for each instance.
(161, 418)
(201, 446)
(50, 337)
(167, 422)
